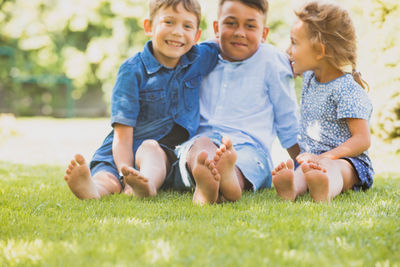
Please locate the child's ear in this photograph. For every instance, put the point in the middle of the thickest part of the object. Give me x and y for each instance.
(321, 51)
(216, 29)
(264, 34)
(148, 29)
(197, 37)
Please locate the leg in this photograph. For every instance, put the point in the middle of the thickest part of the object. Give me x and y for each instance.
(204, 172)
(153, 166)
(289, 183)
(329, 178)
(84, 186)
(232, 180)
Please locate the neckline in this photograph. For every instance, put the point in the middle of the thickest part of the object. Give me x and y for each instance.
(314, 79)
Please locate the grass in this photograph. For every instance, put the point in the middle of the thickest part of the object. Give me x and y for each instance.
(42, 223)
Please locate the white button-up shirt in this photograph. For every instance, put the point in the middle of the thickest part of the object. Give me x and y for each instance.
(251, 101)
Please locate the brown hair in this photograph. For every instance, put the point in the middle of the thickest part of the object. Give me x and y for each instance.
(331, 25)
(261, 5)
(191, 6)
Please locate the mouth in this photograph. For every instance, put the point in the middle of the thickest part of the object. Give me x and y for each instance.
(238, 44)
(174, 43)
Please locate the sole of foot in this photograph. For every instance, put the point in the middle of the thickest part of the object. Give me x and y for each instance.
(317, 182)
(79, 180)
(283, 180)
(225, 160)
(207, 180)
(139, 184)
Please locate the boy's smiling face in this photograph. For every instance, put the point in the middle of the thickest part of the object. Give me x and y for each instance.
(173, 33)
(239, 29)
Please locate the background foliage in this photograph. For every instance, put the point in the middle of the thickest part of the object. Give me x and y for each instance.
(55, 53)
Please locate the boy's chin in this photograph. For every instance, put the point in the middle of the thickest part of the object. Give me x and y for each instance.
(234, 58)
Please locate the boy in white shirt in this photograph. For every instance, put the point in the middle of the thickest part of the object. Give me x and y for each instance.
(249, 96)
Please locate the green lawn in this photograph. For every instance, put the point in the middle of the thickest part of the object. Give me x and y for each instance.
(42, 223)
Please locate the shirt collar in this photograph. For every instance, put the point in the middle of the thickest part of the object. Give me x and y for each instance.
(152, 65)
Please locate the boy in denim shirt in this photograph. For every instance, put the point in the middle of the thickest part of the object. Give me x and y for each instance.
(249, 96)
(154, 107)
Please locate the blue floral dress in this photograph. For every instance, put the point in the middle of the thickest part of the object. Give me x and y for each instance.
(324, 110)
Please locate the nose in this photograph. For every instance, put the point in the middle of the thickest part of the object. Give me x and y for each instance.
(177, 30)
(289, 50)
(239, 32)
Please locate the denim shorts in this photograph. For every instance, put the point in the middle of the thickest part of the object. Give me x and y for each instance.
(251, 160)
(364, 172)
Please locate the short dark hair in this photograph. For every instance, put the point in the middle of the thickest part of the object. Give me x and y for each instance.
(260, 5)
(191, 6)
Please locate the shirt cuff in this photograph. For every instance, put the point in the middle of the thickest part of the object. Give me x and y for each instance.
(123, 121)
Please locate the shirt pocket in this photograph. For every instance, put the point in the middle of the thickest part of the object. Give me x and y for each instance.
(191, 89)
(153, 105)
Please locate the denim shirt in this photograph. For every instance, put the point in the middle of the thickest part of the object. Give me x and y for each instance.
(151, 97)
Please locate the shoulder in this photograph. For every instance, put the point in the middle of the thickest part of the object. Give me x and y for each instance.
(133, 66)
(274, 58)
(132, 61)
(346, 85)
(352, 99)
(272, 53)
(347, 90)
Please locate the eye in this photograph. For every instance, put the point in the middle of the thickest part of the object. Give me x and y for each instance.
(230, 23)
(168, 22)
(188, 26)
(251, 26)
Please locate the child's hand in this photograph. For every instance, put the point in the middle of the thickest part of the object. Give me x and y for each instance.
(307, 157)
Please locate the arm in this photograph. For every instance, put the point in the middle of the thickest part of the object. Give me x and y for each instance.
(294, 151)
(283, 98)
(208, 58)
(359, 141)
(122, 145)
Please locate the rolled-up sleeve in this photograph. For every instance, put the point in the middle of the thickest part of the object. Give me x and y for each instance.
(125, 96)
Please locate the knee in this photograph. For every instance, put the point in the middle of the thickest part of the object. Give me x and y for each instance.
(149, 144)
(325, 161)
(201, 141)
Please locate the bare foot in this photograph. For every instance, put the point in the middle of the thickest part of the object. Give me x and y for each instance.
(128, 189)
(317, 182)
(207, 180)
(283, 180)
(225, 160)
(78, 178)
(139, 184)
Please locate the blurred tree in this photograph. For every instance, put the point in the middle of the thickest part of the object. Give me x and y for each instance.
(45, 42)
(84, 41)
(378, 22)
